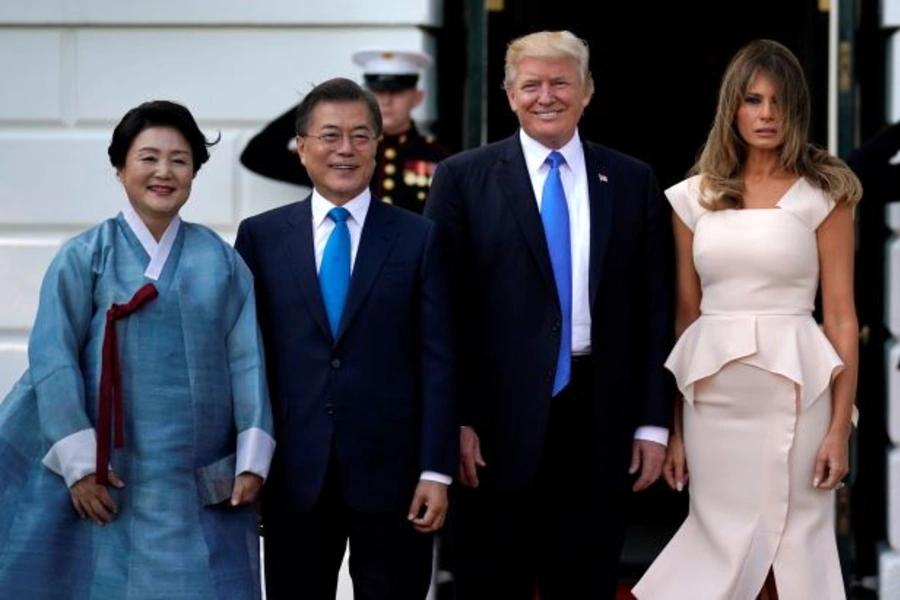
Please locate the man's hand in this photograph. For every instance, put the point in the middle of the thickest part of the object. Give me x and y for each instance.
(246, 488)
(648, 457)
(92, 500)
(469, 457)
(429, 501)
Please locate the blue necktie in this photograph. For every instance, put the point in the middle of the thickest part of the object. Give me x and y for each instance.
(334, 273)
(555, 215)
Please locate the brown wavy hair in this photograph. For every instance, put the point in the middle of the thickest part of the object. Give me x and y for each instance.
(722, 158)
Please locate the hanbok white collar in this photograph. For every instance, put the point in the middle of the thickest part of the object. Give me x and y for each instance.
(158, 251)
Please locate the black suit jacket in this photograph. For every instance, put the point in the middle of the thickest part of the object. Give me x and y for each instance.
(379, 395)
(508, 313)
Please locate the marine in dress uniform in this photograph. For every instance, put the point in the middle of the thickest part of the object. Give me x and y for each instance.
(406, 157)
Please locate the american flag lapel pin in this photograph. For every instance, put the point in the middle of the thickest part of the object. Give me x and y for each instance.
(603, 178)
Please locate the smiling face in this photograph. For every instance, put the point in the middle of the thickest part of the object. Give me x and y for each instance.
(157, 176)
(760, 117)
(548, 98)
(342, 169)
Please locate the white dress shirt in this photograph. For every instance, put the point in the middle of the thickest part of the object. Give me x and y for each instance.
(574, 180)
(322, 225)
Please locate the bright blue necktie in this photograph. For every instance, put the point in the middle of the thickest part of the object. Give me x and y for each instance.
(334, 273)
(555, 215)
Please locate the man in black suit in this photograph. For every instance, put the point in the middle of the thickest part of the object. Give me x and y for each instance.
(564, 400)
(356, 324)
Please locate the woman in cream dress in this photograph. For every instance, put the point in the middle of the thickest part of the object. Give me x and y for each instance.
(765, 221)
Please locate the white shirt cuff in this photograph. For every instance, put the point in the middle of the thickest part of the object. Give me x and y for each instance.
(254, 452)
(660, 435)
(73, 457)
(439, 477)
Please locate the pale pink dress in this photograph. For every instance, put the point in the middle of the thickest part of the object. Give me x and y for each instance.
(755, 370)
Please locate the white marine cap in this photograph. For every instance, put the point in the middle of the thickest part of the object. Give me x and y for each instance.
(391, 69)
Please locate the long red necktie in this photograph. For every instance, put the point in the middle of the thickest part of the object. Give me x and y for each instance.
(111, 380)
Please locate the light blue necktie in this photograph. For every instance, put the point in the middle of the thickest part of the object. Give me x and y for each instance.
(555, 215)
(334, 273)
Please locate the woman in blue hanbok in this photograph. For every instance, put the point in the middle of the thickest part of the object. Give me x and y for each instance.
(134, 447)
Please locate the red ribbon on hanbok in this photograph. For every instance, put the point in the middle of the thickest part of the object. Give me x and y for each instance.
(111, 380)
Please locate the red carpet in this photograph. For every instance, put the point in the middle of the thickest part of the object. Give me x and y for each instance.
(623, 593)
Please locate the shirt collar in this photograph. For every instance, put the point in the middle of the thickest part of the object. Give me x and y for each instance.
(358, 207)
(536, 153)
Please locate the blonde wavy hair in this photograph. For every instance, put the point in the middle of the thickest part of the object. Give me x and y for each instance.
(722, 158)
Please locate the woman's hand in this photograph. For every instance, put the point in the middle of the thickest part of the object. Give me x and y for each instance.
(675, 470)
(93, 501)
(246, 488)
(832, 462)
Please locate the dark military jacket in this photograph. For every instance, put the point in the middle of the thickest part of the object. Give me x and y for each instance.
(404, 163)
(404, 166)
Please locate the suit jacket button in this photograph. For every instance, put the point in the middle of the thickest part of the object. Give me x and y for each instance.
(329, 409)
(335, 363)
(556, 326)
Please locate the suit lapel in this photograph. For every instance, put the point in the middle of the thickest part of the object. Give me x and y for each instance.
(515, 184)
(378, 235)
(600, 195)
(300, 247)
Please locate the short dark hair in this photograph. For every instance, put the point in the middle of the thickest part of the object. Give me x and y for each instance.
(158, 113)
(339, 89)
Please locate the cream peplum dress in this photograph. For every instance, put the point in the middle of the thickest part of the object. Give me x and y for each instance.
(755, 371)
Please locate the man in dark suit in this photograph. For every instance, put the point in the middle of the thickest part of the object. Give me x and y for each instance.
(561, 267)
(355, 320)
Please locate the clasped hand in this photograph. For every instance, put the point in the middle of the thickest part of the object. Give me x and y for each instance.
(94, 501)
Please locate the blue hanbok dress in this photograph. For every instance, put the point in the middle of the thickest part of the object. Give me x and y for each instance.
(195, 412)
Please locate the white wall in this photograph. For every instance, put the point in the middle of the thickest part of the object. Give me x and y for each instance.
(343, 13)
(69, 69)
(889, 561)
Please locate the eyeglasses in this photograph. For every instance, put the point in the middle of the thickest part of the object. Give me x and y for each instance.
(333, 139)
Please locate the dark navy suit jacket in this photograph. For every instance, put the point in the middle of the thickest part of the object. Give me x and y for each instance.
(508, 315)
(379, 395)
